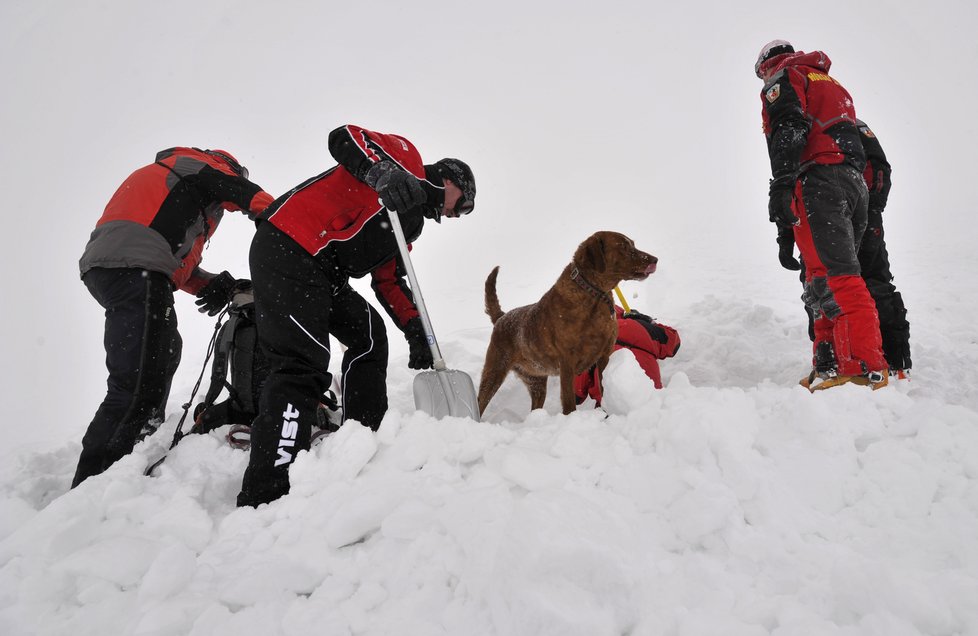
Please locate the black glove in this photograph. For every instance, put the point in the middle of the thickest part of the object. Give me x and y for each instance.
(779, 202)
(216, 294)
(399, 190)
(420, 352)
(655, 330)
(786, 249)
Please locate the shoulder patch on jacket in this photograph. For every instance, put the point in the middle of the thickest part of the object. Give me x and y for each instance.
(773, 93)
(866, 131)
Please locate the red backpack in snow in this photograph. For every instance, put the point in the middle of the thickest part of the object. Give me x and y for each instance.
(648, 340)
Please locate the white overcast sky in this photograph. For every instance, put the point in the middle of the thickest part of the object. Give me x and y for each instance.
(636, 116)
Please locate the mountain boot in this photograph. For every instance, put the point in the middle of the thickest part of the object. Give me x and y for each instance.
(873, 379)
(826, 380)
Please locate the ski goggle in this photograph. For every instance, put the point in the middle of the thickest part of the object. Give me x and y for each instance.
(463, 206)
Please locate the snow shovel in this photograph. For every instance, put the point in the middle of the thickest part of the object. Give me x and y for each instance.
(443, 391)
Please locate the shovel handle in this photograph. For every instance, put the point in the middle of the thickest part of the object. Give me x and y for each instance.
(621, 298)
(429, 332)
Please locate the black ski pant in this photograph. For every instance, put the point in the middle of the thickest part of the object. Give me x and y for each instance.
(299, 303)
(874, 263)
(142, 351)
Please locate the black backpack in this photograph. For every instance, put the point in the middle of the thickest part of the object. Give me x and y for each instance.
(235, 349)
(238, 366)
(238, 356)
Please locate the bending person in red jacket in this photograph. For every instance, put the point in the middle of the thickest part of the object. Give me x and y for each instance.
(309, 243)
(149, 242)
(817, 192)
(648, 340)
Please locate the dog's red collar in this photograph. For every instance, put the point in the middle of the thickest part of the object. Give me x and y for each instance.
(590, 288)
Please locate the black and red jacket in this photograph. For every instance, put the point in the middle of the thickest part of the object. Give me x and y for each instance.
(877, 172)
(162, 215)
(338, 219)
(808, 117)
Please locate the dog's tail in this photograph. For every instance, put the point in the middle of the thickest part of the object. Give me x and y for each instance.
(493, 309)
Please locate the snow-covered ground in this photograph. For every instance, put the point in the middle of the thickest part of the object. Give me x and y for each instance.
(730, 502)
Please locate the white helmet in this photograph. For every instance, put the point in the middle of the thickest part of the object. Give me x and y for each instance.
(772, 49)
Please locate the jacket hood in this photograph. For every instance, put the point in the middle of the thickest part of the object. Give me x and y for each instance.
(815, 59)
(215, 158)
(178, 150)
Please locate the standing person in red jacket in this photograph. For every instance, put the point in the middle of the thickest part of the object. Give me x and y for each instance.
(149, 242)
(648, 340)
(309, 243)
(874, 264)
(817, 193)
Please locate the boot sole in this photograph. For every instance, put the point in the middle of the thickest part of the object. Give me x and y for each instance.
(845, 379)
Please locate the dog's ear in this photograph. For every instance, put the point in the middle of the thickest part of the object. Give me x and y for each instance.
(594, 252)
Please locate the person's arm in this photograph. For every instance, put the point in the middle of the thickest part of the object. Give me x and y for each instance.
(786, 124)
(358, 149)
(397, 299)
(657, 339)
(370, 158)
(392, 291)
(877, 172)
(232, 192)
(198, 280)
(668, 348)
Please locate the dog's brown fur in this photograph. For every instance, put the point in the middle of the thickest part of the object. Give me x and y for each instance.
(569, 330)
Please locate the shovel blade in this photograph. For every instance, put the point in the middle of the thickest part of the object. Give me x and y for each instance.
(448, 392)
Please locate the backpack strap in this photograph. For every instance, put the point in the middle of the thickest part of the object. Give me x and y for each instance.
(222, 353)
(245, 342)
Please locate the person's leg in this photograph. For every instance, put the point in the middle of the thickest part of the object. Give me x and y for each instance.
(814, 279)
(174, 354)
(172, 347)
(875, 264)
(834, 216)
(123, 295)
(361, 330)
(894, 326)
(155, 362)
(293, 296)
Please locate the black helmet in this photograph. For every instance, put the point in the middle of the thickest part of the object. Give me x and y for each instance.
(459, 173)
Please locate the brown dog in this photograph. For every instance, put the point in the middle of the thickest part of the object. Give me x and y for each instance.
(570, 329)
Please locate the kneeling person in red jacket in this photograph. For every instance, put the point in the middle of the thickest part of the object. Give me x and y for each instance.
(648, 340)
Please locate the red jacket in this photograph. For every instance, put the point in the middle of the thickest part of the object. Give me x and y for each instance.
(335, 205)
(339, 220)
(808, 116)
(162, 215)
(632, 335)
